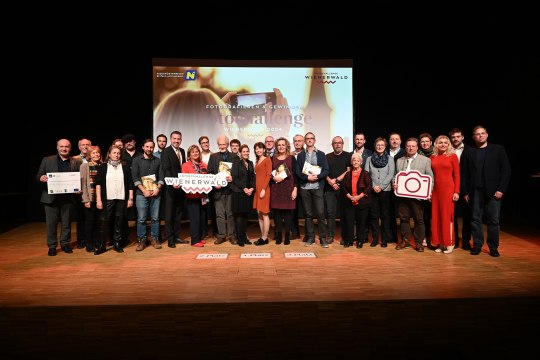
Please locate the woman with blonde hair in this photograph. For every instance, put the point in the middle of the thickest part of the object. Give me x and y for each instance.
(445, 166)
(88, 185)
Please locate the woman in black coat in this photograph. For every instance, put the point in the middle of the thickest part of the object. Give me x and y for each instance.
(242, 185)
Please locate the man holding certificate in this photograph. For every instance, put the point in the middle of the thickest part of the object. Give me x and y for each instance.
(311, 170)
(58, 194)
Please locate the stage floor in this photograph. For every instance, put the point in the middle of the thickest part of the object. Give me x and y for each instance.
(175, 276)
(165, 303)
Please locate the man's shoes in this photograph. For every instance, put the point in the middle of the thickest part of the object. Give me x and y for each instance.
(180, 241)
(494, 253)
(330, 240)
(475, 251)
(233, 240)
(324, 244)
(155, 242)
(220, 241)
(309, 242)
(420, 248)
(67, 249)
(100, 250)
(465, 245)
(171, 244)
(52, 252)
(81, 245)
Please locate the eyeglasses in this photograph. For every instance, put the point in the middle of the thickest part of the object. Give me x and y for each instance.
(309, 138)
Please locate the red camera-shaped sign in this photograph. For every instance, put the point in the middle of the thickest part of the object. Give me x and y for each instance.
(412, 184)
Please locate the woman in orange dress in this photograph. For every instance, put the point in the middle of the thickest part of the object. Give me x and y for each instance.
(261, 200)
(445, 165)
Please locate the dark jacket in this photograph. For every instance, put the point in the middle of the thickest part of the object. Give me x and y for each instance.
(101, 179)
(496, 174)
(364, 185)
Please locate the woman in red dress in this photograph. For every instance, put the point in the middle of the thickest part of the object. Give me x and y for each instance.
(261, 201)
(445, 166)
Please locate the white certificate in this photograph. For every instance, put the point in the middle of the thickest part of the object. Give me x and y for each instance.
(311, 169)
(63, 182)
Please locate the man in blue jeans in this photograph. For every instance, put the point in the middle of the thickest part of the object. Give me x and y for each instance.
(485, 178)
(148, 179)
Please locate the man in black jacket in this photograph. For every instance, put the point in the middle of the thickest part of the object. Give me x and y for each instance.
(58, 206)
(172, 159)
(485, 178)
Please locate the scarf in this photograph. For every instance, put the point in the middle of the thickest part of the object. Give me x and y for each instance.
(115, 162)
(379, 161)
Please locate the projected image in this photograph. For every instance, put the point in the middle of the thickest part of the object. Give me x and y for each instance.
(250, 103)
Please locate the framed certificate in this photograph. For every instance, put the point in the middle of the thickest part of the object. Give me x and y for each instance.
(63, 182)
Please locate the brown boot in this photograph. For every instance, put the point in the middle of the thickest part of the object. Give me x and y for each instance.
(140, 244)
(155, 242)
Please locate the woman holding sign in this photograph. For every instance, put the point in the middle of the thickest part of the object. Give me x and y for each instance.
(196, 202)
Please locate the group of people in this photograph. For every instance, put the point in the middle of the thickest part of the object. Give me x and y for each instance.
(355, 187)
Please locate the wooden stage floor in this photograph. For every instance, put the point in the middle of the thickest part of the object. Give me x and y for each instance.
(377, 302)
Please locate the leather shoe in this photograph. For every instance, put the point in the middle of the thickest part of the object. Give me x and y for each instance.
(171, 244)
(494, 253)
(475, 251)
(420, 248)
(81, 245)
(100, 250)
(220, 241)
(180, 241)
(67, 249)
(52, 252)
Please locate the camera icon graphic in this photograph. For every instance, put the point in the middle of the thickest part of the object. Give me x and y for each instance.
(412, 184)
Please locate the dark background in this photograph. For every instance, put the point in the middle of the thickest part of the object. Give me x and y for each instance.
(415, 70)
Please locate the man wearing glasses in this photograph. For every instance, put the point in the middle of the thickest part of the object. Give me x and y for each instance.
(312, 170)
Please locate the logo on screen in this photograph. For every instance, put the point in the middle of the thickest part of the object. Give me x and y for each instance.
(191, 74)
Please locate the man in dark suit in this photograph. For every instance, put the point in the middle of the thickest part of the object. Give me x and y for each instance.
(58, 206)
(172, 159)
(462, 208)
(485, 178)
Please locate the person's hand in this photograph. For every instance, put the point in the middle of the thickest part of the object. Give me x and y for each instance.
(455, 197)
(498, 195)
(466, 198)
(280, 110)
(294, 194)
(99, 204)
(43, 178)
(312, 178)
(227, 98)
(228, 178)
(87, 205)
(262, 193)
